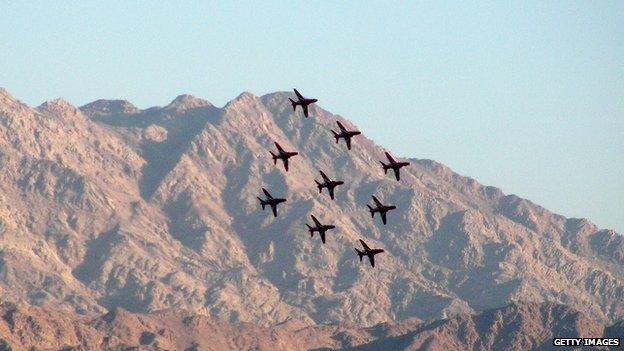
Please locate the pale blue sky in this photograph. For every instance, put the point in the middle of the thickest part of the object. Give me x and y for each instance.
(526, 96)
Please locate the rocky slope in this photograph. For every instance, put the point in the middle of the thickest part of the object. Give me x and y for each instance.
(520, 326)
(108, 206)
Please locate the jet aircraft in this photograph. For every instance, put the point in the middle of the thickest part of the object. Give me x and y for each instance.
(270, 201)
(368, 252)
(394, 165)
(345, 134)
(381, 208)
(327, 183)
(282, 155)
(320, 228)
(301, 101)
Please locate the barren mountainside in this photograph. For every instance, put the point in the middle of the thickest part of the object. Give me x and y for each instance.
(108, 206)
(518, 326)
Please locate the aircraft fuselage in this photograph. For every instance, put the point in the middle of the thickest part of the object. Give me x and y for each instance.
(305, 102)
(322, 228)
(272, 202)
(332, 184)
(384, 209)
(348, 134)
(286, 155)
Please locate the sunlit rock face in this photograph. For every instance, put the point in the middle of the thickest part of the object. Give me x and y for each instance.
(108, 206)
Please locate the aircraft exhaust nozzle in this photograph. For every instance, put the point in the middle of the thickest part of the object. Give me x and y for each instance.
(385, 167)
(360, 254)
(372, 211)
(319, 186)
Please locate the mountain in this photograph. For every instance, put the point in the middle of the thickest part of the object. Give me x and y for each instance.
(108, 206)
(519, 326)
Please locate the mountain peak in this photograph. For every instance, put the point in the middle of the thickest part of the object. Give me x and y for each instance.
(6, 100)
(109, 107)
(4, 94)
(187, 102)
(452, 246)
(57, 105)
(245, 97)
(277, 94)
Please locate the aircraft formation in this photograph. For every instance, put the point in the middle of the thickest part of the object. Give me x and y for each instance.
(329, 184)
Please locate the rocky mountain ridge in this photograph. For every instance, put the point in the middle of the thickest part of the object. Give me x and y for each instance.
(519, 326)
(108, 206)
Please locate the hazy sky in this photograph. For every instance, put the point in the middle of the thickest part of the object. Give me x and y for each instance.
(528, 97)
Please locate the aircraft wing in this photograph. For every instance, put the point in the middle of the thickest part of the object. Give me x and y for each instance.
(348, 141)
(342, 128)
(315, 220)
(376, 251)
(331, 192)
(397, 174)
(390, 158)
(286, 164)
(305, 110)
(278, 147)
(364, 245)
(274, 208)
(371, 258)
(324, 176)
(299, 96)
(322, 234)
(267, 193)
(383, 217)
(377, 202)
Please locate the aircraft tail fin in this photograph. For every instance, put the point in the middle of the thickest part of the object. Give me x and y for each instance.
(319, 186)
(385, 167)
(335, 136)
(274, 157)
(372, 210)
(262, 203)
(293, 103)
(309, 228)
(360, 254)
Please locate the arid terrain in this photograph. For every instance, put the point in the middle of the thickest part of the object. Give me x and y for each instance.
(518, 326)
(122, 227)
